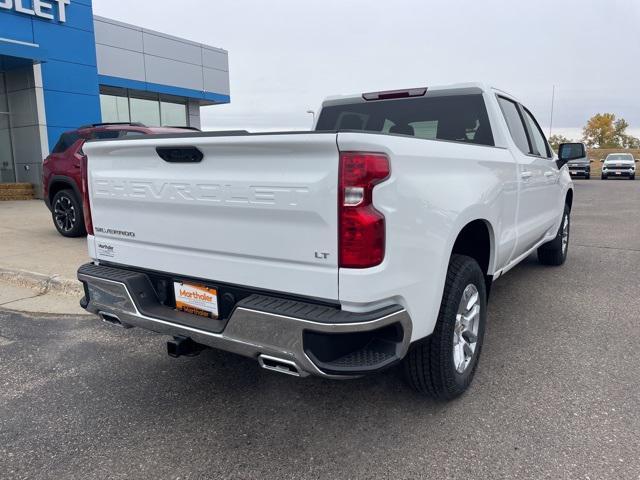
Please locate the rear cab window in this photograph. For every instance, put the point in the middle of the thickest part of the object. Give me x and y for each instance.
(459, 118)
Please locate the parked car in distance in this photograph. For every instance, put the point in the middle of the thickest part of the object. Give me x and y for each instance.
(62, 171)
(339, 252)
(619, 165)
(580, 167)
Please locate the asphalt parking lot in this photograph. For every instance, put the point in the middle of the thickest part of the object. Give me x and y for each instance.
(556, 394)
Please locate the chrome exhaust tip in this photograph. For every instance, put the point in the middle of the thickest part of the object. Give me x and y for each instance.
(112, 319)
(279, 365)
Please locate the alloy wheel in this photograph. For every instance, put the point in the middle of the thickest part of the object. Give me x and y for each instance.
(465, 333)
(565, 233)
(64, 213)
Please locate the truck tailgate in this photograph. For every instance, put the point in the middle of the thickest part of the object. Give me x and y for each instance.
(258, 210)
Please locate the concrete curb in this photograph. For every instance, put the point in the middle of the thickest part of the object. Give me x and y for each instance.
(42, 283)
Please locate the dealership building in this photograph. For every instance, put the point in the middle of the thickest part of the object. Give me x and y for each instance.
(61, 67)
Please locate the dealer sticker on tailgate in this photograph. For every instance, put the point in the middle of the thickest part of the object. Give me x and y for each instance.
(196, 299)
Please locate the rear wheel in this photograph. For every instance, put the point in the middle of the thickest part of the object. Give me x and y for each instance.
(67, 214)
(443, 365)
(555, 251)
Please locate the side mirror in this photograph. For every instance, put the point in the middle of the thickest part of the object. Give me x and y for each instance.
(570, 151)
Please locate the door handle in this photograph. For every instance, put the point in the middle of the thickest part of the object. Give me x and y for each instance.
(526, 175)
(549, 174)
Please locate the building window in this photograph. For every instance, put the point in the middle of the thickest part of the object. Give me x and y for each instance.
(173, 114)
(145, 111)
(114, 108)
(122, 105)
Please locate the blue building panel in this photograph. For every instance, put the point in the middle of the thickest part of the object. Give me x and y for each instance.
(72, 78)
(80, 16)
(79, 45)
(70, 110)
(21, 51)
(15, 26)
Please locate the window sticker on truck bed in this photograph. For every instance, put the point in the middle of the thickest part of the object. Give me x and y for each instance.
(196, 299)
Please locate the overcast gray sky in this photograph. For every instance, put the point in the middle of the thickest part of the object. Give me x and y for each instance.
(286, 55)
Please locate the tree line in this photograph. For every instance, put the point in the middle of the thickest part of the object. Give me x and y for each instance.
(603, 130)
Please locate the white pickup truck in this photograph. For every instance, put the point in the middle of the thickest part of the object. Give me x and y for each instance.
(339, 252)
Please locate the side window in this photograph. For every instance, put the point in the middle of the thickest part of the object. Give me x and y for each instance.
(514, 122)
(539, 143)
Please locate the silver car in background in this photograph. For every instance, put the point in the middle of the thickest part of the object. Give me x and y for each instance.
(580, 167)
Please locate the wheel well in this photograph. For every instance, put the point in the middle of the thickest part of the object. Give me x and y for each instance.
(474, 241)
(57, 186)
(569, 200)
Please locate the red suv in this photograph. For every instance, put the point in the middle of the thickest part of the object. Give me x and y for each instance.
(62, 178)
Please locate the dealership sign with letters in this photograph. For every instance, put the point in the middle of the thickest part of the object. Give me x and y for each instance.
(50, 10)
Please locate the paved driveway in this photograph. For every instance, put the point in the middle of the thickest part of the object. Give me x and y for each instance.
(29, 241)
(556, 394)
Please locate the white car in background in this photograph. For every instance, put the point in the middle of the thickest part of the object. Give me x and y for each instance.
(619, 165)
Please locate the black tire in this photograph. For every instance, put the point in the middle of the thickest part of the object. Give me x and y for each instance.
(632, 177)
(553, 253)
(587, 177)
(66, 211)
(429, 366)
(603, 177)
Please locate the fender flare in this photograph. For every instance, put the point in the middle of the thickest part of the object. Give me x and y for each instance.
(65, 180)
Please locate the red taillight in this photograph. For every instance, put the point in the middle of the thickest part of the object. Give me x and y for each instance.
(362, 227)
(86, 206)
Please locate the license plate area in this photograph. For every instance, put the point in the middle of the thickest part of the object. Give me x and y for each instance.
(195, 299)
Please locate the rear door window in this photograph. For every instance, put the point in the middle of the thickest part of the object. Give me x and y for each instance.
(539, 142)
(458, 118)
(515, 124)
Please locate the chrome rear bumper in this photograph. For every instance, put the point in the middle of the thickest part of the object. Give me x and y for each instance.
(256, 333)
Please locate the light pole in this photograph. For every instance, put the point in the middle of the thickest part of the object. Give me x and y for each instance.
(553, 98)
(313, 115)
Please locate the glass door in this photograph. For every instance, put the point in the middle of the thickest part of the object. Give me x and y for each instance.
(7, 173)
